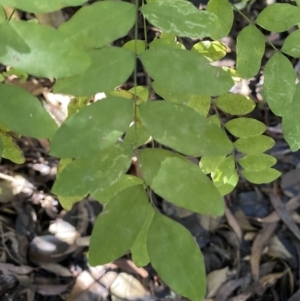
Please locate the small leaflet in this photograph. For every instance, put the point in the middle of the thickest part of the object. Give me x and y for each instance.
(136, 46)
(209, 164)
(264, 176)
(250, 48)
(212, 50)
(291, 44)
(279, 83)
(257, 162)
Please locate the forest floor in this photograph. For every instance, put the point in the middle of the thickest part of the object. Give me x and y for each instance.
(251, 253)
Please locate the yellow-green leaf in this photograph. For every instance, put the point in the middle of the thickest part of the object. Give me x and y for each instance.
(209, 164)
(257, 162)
(261, 177)
(244, 127)
(212, 50)
(254, 145)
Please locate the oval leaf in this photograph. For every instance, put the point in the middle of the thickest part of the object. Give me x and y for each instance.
(177, 257)
(279, 17)
(166, 172)
(261, 177)
(181, 18)
(39, 50)
(110, 67)
(254, 145)
(38, 6)
(291, 44)
(235, 104)
(183, 129)
(22, 113)
(279, 83)
(257, 162)
(245, 127)
(94, 127)
(250, 48)
(191, 74)
(95, 172)
(99, 24)
(118, 226)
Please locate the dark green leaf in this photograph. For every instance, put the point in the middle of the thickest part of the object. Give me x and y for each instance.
(95, 172)
(191, 74)
(181, 18)
(254, 145)
(99, 24)
(39, 50)
(261, 177)
(279, 17)
(245, 127)
(94, 127)
(175, 255)
(40, 6)
(279, 83)
(257, 162)
(250, 48)
(291, 44)
(22, 113)
(118, 226)
(167, 174)
(110, 67)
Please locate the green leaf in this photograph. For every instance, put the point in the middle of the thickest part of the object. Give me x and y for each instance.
(212, 50)
(22, 113)
(235, 104)
(200, 104)
(279, 83)
(244, 127)
(94, 127)
(76, 104)
(261, 177)
(209, 164)
(175, 255)
(279, 17)
(139, 251)
(225, 176)
(140, 91)
(99, 24)
(191, 74)
(39, 50)
(136, 46)
(95, 172)
(257, 162)
(223, 10)
(183, 129)
(290, 122)
(111, 66)
(136, 135)
(166, 40)
(2, 15)
(250, 48)
(38, 6)
(11, 150)
(181, 18)
(118, 226)
(291, 44)
(19, 73)
(254, 145)
(167, 172)
(125, 181)
(1, 147)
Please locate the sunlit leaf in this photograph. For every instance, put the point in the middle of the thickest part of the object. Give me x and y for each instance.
(166, 40)
(110, 67)
(244, 127)
(23, 113)
(212, 50)
(39, 50)
(94, 127)
(177, 257)
(254, 145)
(167, 172)
(291, 44)
(118, 226)
(260, 177)
(257, 162)
(208, 163)
(99, 24)
(250, 48)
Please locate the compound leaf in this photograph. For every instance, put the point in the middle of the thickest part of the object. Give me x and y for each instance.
(110, 67)
(94, 127)
(95, 172)
(235, 104)
(167, 172)
(181, 18)
(191, 74)
(279, 17)
(257, 162)
(118, 226)
(279, 83)
(177, 253)
(39, 50)
(244, 127)
(99, 24)
(261, 177)
(250, 48)
(291, 44)
(254, 145)
(22, 113)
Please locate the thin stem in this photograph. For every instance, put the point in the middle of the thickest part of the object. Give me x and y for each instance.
(9, 18)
